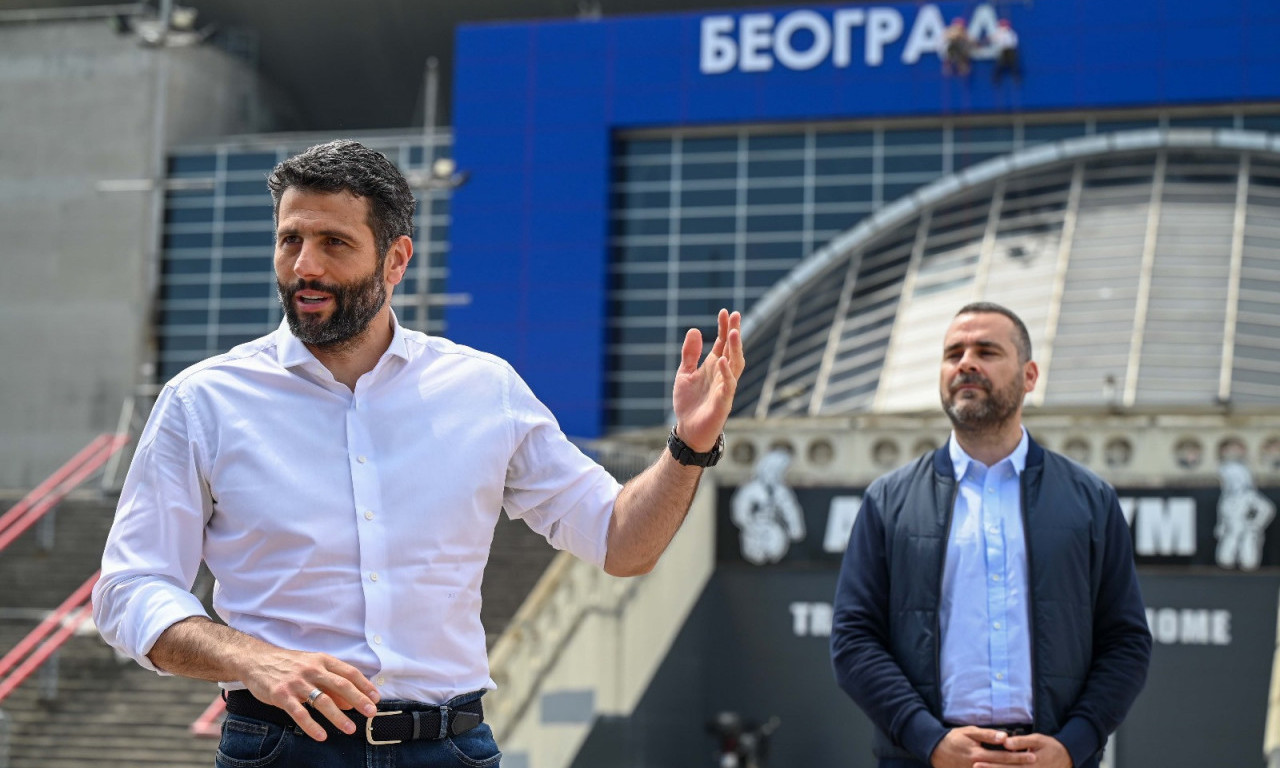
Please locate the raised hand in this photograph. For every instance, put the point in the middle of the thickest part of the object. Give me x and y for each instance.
(703, 394)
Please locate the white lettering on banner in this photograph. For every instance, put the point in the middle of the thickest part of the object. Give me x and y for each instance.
(811, 619)
(791, 58)
(1161, 526)
(719, 51)
(1190, 626)
(760, 41)
(840, 519)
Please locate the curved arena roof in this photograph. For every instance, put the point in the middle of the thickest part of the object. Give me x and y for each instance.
(1145, 264)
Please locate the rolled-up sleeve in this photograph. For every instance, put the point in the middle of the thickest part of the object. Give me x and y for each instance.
(154, 549)
(556, 489)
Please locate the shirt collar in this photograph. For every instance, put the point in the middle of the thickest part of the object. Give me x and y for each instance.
(291, 352)
(960, 461)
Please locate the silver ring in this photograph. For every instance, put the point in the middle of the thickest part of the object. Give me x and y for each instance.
(311, 697)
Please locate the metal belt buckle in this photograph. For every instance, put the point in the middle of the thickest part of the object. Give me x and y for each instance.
(368, 728)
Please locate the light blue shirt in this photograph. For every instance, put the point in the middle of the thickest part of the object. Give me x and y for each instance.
(986, 639)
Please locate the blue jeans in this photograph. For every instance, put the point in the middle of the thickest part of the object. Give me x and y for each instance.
(250, 743)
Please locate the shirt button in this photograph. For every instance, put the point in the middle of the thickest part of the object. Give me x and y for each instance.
(374, 577)
(996, 625)
(377, 639)
(368, 514)
(999, 675)
(361, 459)
(993, 529)
(995, 577)
(991, 490)
(381, 680)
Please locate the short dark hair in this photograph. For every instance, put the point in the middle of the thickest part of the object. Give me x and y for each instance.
(349, 166)
(1021, 339)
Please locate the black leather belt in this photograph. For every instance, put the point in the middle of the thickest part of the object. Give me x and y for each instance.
(421, 721)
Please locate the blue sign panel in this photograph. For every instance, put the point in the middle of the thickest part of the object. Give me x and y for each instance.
(535, 106)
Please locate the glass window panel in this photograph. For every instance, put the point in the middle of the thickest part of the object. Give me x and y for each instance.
(1112, 126)
(701, 308)
(692, 146)
(189, 194)
(638, 308)
(643, 147)
(632, 281)
(247, 188)
(174, 266)
(843, 139)
(188, 240)
(707, 171)
(193, 291)
(244, 316)
(708, 225)
(1035, 134)
(722, 252)
(415, 156)
(659, 198)
(842, 166)
(636, 416)
(775, 196)
(188, 215)
(843, 193)
(793, 250)
(252, 290)
(775, 168)
(192, 165)
(965, 159)
(913, 138)
(638, 335)
(253, 239)
(913, 164)
(630, 389)
(1205, 121)
(775, 223)
(706, 278)
(228, 340)
(658, 226)
(181, 342)
(633, 361)
(771, 143)
(252, 161)
(655, 172)
(247, 213)
(170, 317)
(836, 221)
(708, 198)
(1269, 123)
(765, 278)
(982, 134)
(631, 254)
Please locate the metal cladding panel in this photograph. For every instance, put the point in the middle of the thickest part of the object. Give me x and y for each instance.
(535, 105)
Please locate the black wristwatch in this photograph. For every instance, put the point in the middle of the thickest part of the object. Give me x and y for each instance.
(691, 458)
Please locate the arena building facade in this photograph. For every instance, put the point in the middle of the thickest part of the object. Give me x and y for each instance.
(620, 179)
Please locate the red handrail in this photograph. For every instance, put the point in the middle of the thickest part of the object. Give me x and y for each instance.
(43, 497)
(207, 723)
(24, 646)
(70, 618)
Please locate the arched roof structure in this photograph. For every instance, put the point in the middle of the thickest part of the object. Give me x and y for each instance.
(1145, 264)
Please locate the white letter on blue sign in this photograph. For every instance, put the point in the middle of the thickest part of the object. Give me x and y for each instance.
(884, 25)
(790, 24)
(719, 51)
(756, 41)
(926, 35)
(843, 22)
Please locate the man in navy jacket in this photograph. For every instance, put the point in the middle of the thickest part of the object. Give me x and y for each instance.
(988, 611)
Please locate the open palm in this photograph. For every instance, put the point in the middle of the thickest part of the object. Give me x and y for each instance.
(703, 394)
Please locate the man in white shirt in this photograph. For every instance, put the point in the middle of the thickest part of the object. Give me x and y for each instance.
(342, 477)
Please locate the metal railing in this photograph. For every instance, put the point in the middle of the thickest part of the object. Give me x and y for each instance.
(48, 636)
(208, 724)
(45, 496)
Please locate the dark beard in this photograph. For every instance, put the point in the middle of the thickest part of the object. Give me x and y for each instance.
(354, 307)
(986, 414)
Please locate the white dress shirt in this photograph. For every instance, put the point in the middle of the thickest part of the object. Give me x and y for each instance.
(356, 524)
(986, 643)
